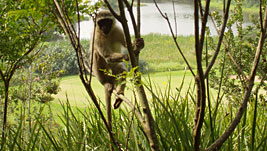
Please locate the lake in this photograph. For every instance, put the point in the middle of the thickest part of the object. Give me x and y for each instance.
(152, 21)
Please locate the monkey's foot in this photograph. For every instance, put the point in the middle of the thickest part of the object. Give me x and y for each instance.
(117, 103)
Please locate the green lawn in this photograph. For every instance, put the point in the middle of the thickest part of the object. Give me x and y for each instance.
(72, 87)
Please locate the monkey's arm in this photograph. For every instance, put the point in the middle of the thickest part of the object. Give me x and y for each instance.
(116, 57)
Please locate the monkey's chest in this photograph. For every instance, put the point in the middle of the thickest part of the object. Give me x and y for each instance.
(112, 47)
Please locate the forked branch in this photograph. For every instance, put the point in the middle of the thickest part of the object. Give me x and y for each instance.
(219, 142)
(165, 16)
(214, 57)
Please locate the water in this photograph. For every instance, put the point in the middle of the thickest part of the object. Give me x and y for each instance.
(153, 22)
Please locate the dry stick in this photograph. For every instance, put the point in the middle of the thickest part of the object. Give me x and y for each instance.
(174, 38)
(219, 142)
(73, 38)
(174, 17)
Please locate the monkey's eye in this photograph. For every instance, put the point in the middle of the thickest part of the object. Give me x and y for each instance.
(105, 22)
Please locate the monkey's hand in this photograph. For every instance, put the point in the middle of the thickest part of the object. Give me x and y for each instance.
(126, 57)
(138, 45)
(116, 57)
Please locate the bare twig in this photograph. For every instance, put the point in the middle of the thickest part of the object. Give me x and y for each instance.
(174, 17)
(130, 10)
(92, 51)
(221, 35)
(204, 24)
(112, 11)
(174, 38)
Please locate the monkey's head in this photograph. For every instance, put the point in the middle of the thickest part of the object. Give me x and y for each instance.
(105, 21)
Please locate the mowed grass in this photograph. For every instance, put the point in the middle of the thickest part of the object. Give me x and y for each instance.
(73, 89)
(161, 54)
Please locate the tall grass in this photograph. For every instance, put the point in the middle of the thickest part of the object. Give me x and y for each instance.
(81, 128)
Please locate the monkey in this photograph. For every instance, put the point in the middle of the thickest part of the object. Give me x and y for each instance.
(106, 48)
(109, 41)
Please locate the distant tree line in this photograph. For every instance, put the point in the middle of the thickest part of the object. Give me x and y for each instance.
(247, 2)
(161, 1)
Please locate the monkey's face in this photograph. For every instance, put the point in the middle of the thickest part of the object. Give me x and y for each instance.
(105, 25)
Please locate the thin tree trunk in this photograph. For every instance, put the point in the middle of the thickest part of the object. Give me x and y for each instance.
(5, 109)
(200, 84)
(30, 96)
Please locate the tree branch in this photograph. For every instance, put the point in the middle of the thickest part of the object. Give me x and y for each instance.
(228, 52)
(214, 57)
(112, 11)
(219, 142)
(204, 23)
(174, 38)
(199, 79)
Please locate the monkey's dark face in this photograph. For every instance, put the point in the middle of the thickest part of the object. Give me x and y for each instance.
(105, 25)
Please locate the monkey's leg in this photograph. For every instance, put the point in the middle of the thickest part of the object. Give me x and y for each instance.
(108, 92)
(120, 84)
(107, 82)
